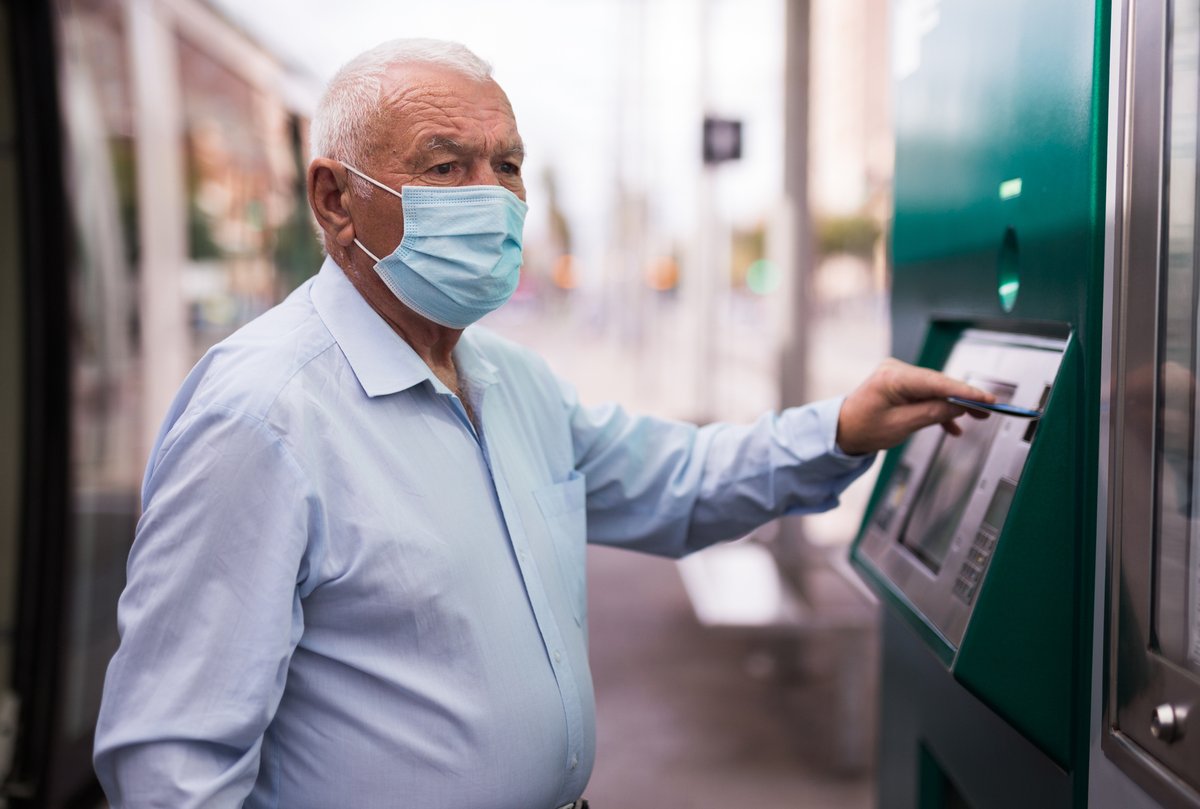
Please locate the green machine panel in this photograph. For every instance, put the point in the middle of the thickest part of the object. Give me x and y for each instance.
(1000, 166)
(982, 548)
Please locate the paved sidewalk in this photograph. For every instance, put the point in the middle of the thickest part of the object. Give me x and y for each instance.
(692, 719)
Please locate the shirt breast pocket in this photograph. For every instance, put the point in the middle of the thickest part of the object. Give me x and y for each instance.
(564, 509)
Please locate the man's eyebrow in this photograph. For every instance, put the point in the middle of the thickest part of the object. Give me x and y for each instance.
(441, 143)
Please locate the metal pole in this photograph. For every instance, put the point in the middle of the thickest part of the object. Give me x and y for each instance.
(162, 219)
(793, 383)
(795, 554)
(705, 276)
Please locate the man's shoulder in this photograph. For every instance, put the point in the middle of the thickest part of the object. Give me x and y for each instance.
(248, 371)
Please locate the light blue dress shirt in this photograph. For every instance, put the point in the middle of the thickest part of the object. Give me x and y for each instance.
(342, 595)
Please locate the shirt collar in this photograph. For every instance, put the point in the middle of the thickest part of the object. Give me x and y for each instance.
(471, 362)
(383, 362)
(381, 359)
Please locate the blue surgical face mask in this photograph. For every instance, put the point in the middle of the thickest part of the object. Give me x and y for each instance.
(460, 257)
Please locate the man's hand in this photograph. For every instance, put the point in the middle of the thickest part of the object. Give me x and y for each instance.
(897, 400)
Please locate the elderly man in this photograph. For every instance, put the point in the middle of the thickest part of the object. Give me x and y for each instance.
(359, 575)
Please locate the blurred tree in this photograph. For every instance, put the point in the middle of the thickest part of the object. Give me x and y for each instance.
(855, 234)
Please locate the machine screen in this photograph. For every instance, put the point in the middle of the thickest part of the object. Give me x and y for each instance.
(947, 487)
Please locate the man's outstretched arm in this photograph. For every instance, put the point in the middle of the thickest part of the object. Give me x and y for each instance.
(671, 488)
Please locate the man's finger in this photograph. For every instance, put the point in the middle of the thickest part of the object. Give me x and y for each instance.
(952, 427)
(918, 415)
(916, 384)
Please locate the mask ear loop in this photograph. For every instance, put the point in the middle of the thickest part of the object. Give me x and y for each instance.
(362, 247)
(374, 182)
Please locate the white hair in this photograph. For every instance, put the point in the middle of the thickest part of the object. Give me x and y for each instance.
(354, 97)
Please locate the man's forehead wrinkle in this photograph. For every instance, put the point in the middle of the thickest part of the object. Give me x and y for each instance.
(422, 115)
(462, 136)
(442, 96)
(407, 102)
(427, 79)
(441, 109)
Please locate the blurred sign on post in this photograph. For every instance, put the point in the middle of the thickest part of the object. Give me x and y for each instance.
(722, 140)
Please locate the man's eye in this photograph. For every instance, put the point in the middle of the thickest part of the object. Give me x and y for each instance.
(443, 168)
(510, 168)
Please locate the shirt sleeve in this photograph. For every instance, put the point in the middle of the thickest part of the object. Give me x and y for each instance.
(209, 617)
(670, 488)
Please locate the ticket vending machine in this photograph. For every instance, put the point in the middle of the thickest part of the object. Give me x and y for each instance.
(1040, 579)
(982, 547)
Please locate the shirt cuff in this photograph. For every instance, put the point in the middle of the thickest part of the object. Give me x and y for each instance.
(827, 411)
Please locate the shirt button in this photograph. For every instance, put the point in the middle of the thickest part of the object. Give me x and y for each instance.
(574, 762)
(558, 657)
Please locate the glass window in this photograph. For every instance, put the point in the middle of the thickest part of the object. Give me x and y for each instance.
(1178, 496)
(244, 199)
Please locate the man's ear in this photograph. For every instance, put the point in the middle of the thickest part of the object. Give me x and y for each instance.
(328, 195)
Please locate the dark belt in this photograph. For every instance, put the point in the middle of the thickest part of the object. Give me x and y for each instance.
(579, 804)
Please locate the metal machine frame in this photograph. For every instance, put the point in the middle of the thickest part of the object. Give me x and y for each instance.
(1143, 686)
